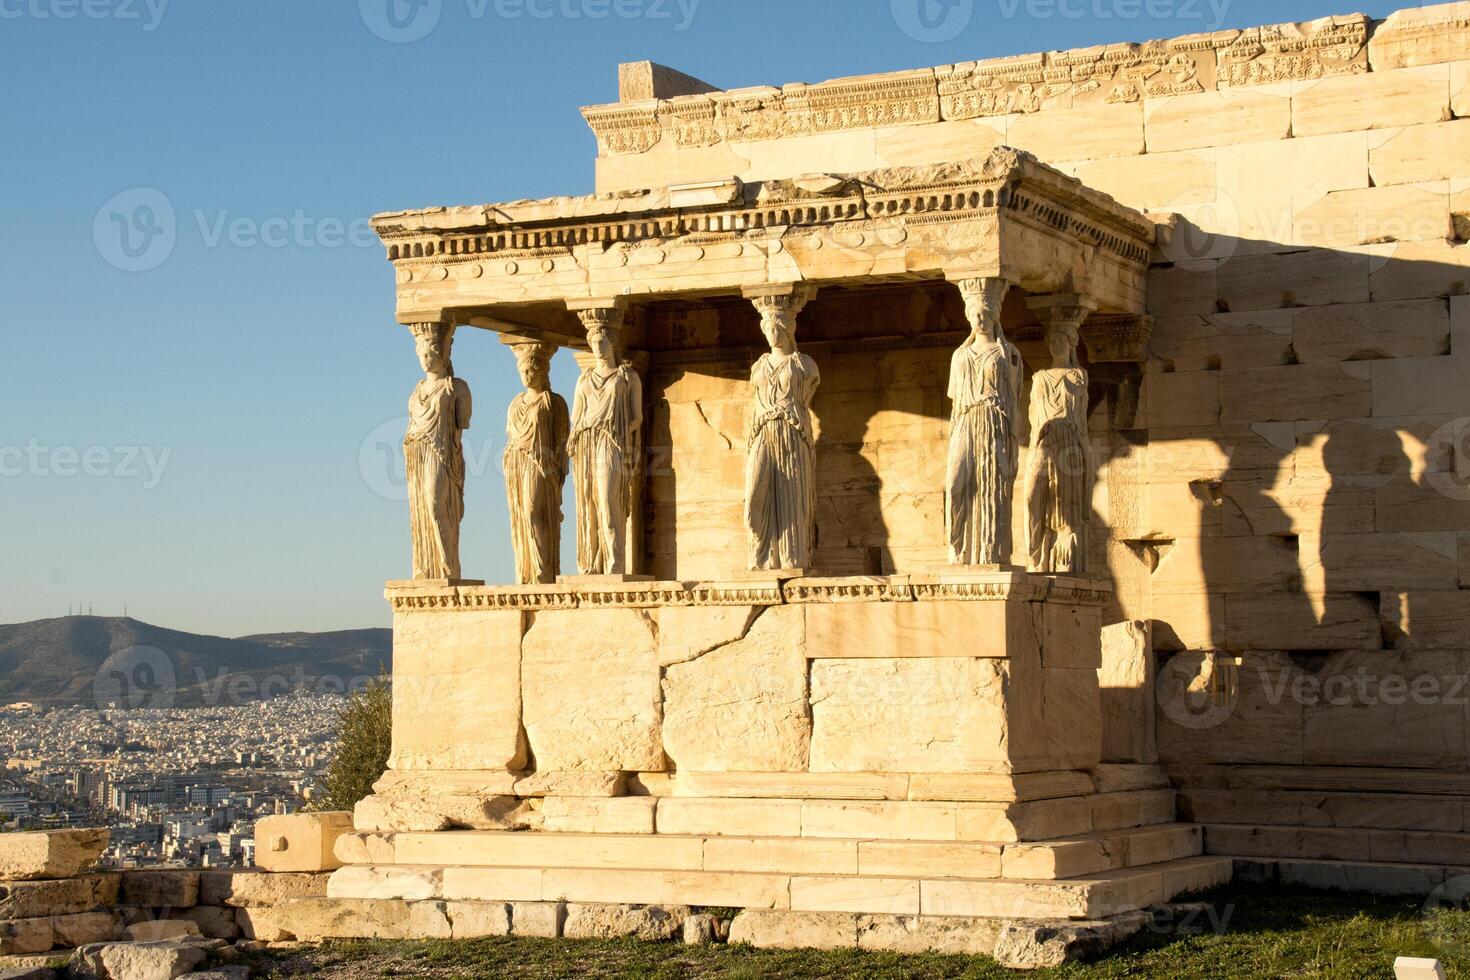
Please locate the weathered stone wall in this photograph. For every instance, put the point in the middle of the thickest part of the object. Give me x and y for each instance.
(1289, 506)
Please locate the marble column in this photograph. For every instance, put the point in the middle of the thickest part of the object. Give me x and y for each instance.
(605, 444)
(1058, 468)
(984, 389)
(537, 427)
(780, 467)
(433, 451)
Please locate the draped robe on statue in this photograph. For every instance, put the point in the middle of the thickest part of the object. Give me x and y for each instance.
(780, 471)
(982, 453)
(1059, 477)
(438, 411)
(535, 469)
(606, 414)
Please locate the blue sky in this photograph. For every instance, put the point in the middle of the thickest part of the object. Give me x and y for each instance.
(202, 430)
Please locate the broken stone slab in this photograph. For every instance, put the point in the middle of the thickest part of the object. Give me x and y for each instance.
(50, 854)
(253, 889)
(213, 921)
(163, 930)
(161, 889)
(364, 847)
(34, 899)
(135, 961)
(1032, 945)
(654, 923)
(300, 841)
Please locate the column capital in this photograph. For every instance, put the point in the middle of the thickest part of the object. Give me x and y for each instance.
(1062, 310)
(599, 314)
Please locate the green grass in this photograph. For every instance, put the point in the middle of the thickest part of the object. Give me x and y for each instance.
(1267, 932)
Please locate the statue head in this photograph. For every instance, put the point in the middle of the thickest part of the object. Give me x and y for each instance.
(604, 346)
(1061, 340)
(778, 323)
(432, 343)
(983, 301)
(533, 360)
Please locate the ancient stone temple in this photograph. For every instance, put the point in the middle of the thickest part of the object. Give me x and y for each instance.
(961, 458)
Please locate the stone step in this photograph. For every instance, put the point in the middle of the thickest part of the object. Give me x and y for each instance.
(1306, 808)
(1447, 885)
(938, 787)
(1081, 898)
(1338, 844)
(1065, 858)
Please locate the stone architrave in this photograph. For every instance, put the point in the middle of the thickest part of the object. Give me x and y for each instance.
(984, 390)
(780, 467)
(1058, 471)
(536, 430)
(605, 446)
(433, 451)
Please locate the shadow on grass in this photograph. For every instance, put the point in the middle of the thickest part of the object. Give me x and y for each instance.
(1242, 931)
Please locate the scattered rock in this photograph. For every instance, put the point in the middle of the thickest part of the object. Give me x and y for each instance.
(163, 930)
(135, 961)
(648, 922)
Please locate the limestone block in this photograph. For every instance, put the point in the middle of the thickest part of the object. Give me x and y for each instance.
(1037, 820)
(551, 850)
(591, 680)
(161, 889)
(1415, 270)
(712, 888)
(1408, 847)
(736, 818)
(1126, 691)
(1004, 788)
(1181, 398)
(1420, 386)
(912, 935)
(1086, 133)
(1436, 505)
(408, 884)
(775, 855)
(1378, 100)
(1229, 711)
(1460, 88)
(914, 859)
(850, 152)
(300, 842)
(457, 690)
(1397, 213)
(1372, 709)
(1187, 289)
(1155, 181)
(1072, 708)
(1312, 277)
(493, 885)
(763, 785)
(651, 923)
(1420, 36)
(36, 899)
(1360, 876)
(382, 813)
(1415, 154)
(214, 922)
(794, 930)
(1166, 844)
(1194, 343)
(1377, 810)
(429, 920)
(1193, 566)
(50, 854)
(18, 936)
(1367, 331)
(1293, 842)
(478, 920)
(917, 629)
(1207, 119)
(315, 919)
(162, 930)
(743, 706)
(703, 929)
(1293, 622)
(959, 139)
(1138, 808)
(1424, 620)
(249, 889)
(540, 919)
(887, 820)
(137, 961)
(1410, 560)
(1297, 391)
(364, 848)
(596, 815)
(1258, 183)
(889, 896)
(910, 715)
(685, 633)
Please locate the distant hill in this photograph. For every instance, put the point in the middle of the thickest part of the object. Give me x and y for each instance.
(95, 660)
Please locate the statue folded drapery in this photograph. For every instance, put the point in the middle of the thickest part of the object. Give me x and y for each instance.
(535, 468)
(780, 469)
(438, 413)
(605, 447)
(1059, 476)
(984, 382)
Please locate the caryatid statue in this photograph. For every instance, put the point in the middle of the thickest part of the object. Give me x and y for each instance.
(536, 432)
(605, 447)
(780, 468)
(433, 452)
(984, 391)
(1058, 471)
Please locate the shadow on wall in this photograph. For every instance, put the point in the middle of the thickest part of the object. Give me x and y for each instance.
(1307, 417)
